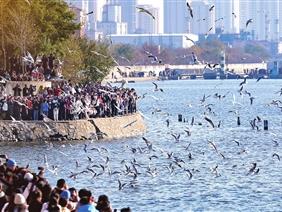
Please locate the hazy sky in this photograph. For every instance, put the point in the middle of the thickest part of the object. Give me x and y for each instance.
(156, 3)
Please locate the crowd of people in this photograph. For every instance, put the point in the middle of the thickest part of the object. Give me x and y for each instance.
(67, 101)
(24, 191)
(27, 68)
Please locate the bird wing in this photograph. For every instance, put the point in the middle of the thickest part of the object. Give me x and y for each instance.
(248, 22)
(211, 8)
(142, 10)
(187, 38)
(210, 121)
(156, 86)
(154, 57)
(190, 9)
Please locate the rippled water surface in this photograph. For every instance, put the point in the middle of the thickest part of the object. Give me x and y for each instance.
(228, 187)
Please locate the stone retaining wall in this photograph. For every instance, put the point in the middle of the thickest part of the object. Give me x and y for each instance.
(100, 128)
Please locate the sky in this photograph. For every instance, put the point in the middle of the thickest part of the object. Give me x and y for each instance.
(155, 3)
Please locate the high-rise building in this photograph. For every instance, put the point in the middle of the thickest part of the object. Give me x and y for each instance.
(176, 18)
(145, 23)
(203, 18)
(128, 13)
(266, 16)
(227, 15)
(111, 20)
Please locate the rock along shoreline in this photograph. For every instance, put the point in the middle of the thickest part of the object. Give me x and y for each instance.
(83, 129)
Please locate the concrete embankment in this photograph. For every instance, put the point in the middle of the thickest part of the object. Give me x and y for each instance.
(100, 128)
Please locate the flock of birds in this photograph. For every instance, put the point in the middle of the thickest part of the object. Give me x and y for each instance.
(179, 154)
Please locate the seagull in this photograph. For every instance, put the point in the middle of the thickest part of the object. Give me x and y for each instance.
(259, 78)
(99, 54)
(188, 172)
(235, 16)
(218, 19)
(190, 9)
(142, 10)
(156, 87)
(249, 21)
(211, 8)
(120, 185)
(210, 121)
(276, 155)
(124, 58)
(252, 169)
(155, 59)
(252, 100)
(28, 58)
(89, 13)
(187, 38)
(98, 70)
(176, 137)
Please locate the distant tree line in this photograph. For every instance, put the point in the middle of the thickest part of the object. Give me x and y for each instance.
(207, 52)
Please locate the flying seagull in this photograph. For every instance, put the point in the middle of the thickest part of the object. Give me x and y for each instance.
(187, 38)
(190, 9)
(90, 13)
(155, 59)
(249, 21)
(218, 19)
(211, 8)
(99, 54)
(235, 16)
(142, 10)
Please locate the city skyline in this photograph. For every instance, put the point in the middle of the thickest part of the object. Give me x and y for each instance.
(229, 17)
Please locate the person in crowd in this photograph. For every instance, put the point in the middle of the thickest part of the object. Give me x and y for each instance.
(16, 204)
(22, 190)
(31, 90)
(35, 108)
(35, 203)
(44, 108)
(75, 102)
(103, 204)
(17, 90)
(86, 202)
(4, 111)
(61, 186)
(3, 198)
(55, 106)
(25, 90)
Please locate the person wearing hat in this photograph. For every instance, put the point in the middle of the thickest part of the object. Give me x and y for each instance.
(11, 164)
(18, 203)
(64, 201)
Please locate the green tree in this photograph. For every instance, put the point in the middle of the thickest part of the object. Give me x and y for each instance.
(97, 60)
(38, 26)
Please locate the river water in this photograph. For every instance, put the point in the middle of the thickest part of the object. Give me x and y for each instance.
(229, 187)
